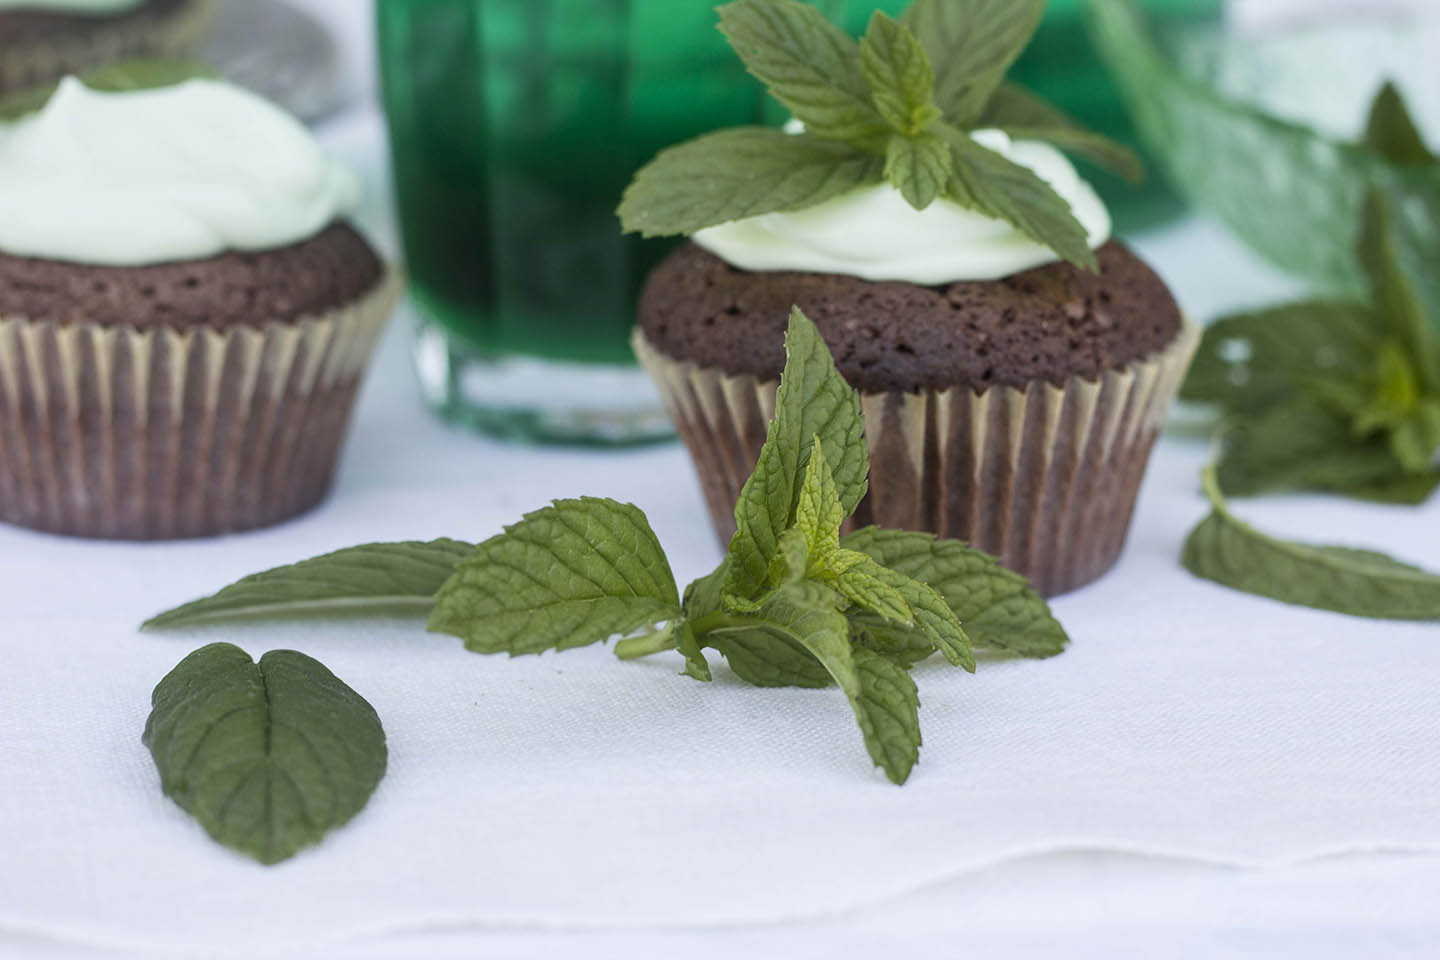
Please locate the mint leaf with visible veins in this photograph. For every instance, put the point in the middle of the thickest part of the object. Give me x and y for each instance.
(808, 64)
(1024, 116)
(1361, 583)
(901, 81)
(269, 757)
(739, 173)
(574, 573)
(971, 44)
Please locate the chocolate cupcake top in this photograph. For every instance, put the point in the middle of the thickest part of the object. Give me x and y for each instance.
(1045, 324)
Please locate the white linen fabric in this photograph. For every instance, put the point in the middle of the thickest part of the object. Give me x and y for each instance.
(575, 791)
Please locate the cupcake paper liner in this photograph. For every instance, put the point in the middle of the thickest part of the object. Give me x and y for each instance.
(169, 35)
(1044, 478)
(110, 431)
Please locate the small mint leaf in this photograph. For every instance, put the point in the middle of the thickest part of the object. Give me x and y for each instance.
(983, 180)
(813, 401)
(868, 586)
(574, 573)
(696, 666)
(768, 658)
(918, 166)
(1360, 583)
(1024, 116)
(971, 44)
(998, 607)
(899, 74)
(268, 757)
(1391, 132)
(808, 64)
(374, 578)
(1393, 293)
(734, 174)
(881, 696)
(113, 78)
(901, 645)
(1248, 362)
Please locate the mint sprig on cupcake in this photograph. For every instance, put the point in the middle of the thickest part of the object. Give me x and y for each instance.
(899, 106)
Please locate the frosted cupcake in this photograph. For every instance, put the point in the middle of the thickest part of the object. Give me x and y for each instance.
(1015, 362)
(185, 314)
(43, 40)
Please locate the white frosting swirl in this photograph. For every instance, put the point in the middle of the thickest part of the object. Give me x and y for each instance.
(152, 176)
(872, 233)
(95, 7)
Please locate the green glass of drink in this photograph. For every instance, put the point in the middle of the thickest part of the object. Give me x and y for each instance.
(514, 127)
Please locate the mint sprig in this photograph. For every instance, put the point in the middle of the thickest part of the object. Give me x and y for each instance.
(793, 603)
(897, 107)
(1330, 396)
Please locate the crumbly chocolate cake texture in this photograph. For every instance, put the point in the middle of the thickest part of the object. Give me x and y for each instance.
(331, 269)
(1047, 324)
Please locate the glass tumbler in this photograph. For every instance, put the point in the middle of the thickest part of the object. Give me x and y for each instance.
(515, 126)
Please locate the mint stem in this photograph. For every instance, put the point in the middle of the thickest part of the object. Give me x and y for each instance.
(633, 648)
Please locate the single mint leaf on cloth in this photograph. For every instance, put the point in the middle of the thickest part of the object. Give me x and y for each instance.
(374, 578)
(998, 607)
(1248, 362)
(1393, 293)
(268, 757)
(1024, 116)
(808, 64)
(571, 574)
(971, 45)
(983, 180)
(813, 401)
(919, 167)
(738, 173)
(1392, 133)
(1361, 583)
(881, 695)
(111, 78)
(901, 81)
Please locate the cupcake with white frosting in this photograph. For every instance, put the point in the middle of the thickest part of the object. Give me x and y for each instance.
(1015, 362)
(185, 314)
(43, 40)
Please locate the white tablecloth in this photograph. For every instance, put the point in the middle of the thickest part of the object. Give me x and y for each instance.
(1202, 774)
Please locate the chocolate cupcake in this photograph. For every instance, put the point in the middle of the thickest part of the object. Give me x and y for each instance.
(185, 315)
(1015, 363)
(43, 40)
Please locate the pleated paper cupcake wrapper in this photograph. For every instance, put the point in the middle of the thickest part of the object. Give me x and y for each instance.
(170, 35)
(157, 434)
(1044, 478)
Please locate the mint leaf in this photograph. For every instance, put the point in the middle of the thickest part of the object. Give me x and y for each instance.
(808, 64)
(971, 44)
(901, 81)
(734, 174)
(932, 617)
(696, 666)
(1301, 446)
(902, 646)
(1390, 131)
(998, 607)
(881, 696)
(1409, 490)
(919, 167)
(1361, 583)
(374, 578)
(1247, 362)
(1393, 293)
(574, 573)
(767, 657)
(1024, 116)
(114, 78)
(269, 757)
(983, 180)
(813, 401)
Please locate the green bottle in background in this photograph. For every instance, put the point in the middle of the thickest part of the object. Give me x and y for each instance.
(515, 126)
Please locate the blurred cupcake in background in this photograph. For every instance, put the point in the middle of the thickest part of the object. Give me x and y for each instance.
(185, 314)
(43, 40)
